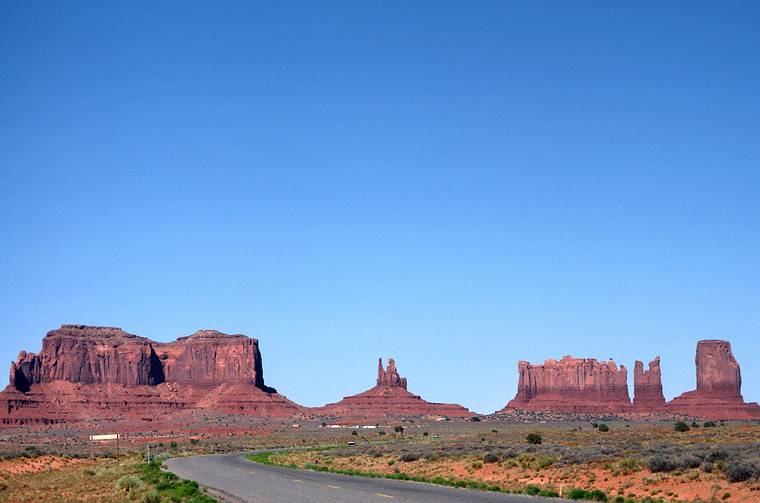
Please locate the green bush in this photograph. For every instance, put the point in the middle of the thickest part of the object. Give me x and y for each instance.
(533, 438)
(710, 424)
(582, 494)
(680, 426)
(532, 490)
(604, 428)
(491, 458)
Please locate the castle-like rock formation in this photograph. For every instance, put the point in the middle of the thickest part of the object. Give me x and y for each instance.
(647, 386)
(582, 385)
(388, 398)
(104, 372)
(587, 386)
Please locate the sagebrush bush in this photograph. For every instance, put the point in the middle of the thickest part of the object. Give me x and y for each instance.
(534, 438)
(680, 426)
(128, 483)
(491, 458)
(661, 464)
(739, 471)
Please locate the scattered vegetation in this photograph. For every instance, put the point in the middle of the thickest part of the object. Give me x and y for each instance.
(534, 438)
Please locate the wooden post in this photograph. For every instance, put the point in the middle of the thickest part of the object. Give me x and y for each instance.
(118, 463)
(92, 450)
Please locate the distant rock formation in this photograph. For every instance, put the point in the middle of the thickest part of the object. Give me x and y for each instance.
(90, 372)
(389, 398)
(718, 394)
(578, 385)
(647, 387)
(389, 377)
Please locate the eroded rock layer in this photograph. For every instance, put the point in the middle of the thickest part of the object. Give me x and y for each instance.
(578, 385)
(85, 372)
(389, 398)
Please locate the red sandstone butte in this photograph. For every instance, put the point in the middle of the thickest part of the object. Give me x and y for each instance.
(87, 373)
(718, 394)
(389, 398)
(574, 385)
(647, 387)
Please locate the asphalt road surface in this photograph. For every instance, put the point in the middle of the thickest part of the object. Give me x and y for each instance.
(234, 479)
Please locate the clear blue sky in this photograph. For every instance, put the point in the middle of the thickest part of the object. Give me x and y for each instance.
(458, 185)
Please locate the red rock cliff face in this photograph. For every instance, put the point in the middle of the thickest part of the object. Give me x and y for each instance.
(572, 385)
(85, 371)
(718, 393)
(647, 387)
(106, 355)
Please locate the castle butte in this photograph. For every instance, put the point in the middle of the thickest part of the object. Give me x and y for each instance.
(580, 385)
(84, 373)
(388, 398)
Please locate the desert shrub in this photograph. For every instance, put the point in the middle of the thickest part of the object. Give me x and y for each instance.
(739, 471)
(629, 465)
(398, 429)
(709, 424)
(194, 441)
(409, 457)
(533, 438)
(544, 462)
(425, 434)
(532, 490)
(475, 419)
(582, 494)
(688, 461)
(432, 456)
(719, 454)
(354, 433)
(661, 464)
(604, 428)
(681, 426)
(174, 445)
(491, 458)
(548, 493)
(128, 483)
(152, 498)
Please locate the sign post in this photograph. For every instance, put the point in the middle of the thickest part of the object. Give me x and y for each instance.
(103, 438)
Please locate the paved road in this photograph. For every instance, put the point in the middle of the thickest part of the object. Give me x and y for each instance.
(237, 480)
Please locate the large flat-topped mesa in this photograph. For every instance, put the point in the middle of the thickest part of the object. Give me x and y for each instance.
(718, 394)
(581, 385)
(389, 398)
(85, 371)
